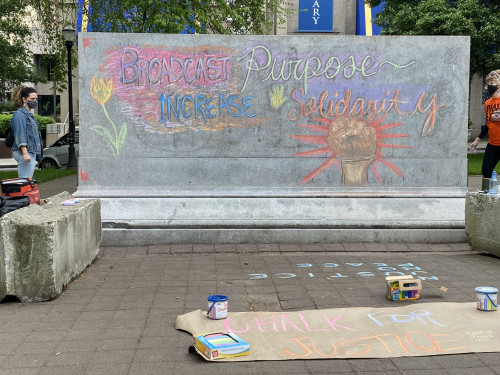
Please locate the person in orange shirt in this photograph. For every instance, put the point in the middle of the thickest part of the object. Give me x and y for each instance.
(492, 116)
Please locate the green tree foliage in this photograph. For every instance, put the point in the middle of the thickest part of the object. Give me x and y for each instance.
(479, 19)
(39, 22)
(15, 65)
(28, 23)
(173, 16)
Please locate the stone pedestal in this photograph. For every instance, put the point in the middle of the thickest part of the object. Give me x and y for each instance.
(482, 222)
(245, 138)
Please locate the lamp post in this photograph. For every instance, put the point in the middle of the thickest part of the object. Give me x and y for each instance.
(69, 35)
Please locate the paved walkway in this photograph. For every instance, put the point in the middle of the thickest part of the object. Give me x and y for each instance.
(118, 318)
(51, 188)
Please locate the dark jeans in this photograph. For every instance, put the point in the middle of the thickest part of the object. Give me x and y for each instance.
(490, 159)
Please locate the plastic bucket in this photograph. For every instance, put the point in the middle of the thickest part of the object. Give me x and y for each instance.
(486, 298)
(217, 306)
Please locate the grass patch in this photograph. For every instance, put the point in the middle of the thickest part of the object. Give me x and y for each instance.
(476, 162)
(41, 175)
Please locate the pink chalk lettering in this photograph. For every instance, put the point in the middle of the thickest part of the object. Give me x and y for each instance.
(285, 320)
(306, 325)
(333, 325)
(260, 324)
(227, 326)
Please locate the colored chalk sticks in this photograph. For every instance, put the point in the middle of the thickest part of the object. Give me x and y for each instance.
(219, 345)
(404, 287)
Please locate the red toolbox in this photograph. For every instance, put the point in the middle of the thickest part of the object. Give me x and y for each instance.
(21, 186)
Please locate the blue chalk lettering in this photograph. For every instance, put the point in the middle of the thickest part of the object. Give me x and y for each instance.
(258, 276)
(170, 106)
(188, 114)
(162, 107)
(366, 274)
(285, 275)
(338, 275)
(199, 100)
(235, 105)
(210, 107)
(246, 105)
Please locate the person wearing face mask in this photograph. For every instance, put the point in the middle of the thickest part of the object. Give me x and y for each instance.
(492, 116)
(27, 147)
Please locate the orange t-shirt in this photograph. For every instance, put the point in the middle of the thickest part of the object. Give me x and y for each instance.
(490, 106)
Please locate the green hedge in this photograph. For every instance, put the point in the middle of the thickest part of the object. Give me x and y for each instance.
(8, 107)
(42, 121)
(4, 124)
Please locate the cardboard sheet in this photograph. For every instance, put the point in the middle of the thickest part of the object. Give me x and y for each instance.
(410, 330)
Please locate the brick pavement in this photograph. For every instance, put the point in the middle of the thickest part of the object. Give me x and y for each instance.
(119, 316)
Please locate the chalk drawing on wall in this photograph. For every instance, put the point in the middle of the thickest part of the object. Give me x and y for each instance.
(353, 145)
(277, 97)
(87, 43)
(102, 91)
(171, 89)
(84, 175)
(452, 55)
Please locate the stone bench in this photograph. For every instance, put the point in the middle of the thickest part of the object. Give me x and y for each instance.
(43, 248)
(482, 222)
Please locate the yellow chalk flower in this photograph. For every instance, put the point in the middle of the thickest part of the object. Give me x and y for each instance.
(101, 91)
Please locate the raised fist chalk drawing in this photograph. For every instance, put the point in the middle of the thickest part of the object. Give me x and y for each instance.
(354, 145)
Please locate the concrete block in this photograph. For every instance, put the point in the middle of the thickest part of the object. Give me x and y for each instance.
(43, 248)
(482, 215)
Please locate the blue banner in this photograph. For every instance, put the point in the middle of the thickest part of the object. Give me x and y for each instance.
(364, 18)
(316, 16)
(82, 16)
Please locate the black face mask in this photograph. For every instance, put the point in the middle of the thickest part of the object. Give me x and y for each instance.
(492, 89)
(32, 103)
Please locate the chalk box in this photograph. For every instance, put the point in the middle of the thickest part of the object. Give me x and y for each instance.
(221, 345)
(403, 288)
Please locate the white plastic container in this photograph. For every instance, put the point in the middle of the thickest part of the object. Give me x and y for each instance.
(486, 298)
(217, 306)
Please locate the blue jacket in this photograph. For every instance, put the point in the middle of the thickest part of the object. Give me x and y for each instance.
(26, 132)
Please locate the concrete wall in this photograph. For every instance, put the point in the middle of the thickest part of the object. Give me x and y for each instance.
(336, 119)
